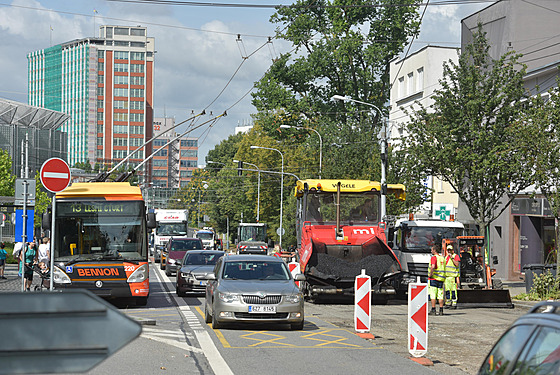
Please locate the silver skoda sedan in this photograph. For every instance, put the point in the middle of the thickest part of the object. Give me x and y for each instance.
(253, 289)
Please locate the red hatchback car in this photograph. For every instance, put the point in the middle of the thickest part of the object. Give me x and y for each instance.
(175, 251)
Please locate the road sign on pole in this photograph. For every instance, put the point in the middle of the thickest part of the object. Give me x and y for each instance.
(65, 332)
(55, 175)
(362, 303)
(417, 319)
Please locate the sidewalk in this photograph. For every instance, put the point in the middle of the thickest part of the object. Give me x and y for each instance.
(13, 281)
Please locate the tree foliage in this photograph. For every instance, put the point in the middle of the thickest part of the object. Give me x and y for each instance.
(7, 179)
(471, 137)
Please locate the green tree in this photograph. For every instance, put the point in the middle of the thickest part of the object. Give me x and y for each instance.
(7, 179)
(85, 166)
(340, 47)
(545, 113)
(42, 201)
(470, 136)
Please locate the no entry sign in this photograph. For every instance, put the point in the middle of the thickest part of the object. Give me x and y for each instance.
(55, 175)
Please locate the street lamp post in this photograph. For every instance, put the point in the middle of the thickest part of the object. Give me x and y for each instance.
(383, 153)
(258, 186)
(281, 229)
(320, 144)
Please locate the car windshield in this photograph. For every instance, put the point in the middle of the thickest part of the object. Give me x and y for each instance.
(185, 245)
(255, 270)
(205, 236)
(202, 259)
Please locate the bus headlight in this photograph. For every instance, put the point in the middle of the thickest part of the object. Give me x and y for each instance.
(59, 277)
(139, 275)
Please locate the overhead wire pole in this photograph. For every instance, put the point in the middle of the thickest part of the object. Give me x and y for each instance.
(281, 229)
(383, 152)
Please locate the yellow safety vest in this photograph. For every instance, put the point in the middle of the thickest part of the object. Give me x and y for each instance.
(439, 271)
(450, 269)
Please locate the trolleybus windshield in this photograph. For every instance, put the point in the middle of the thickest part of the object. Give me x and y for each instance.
(100, 230)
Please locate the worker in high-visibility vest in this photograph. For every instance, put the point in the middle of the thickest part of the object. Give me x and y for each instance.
(436, 279)
(451, 273)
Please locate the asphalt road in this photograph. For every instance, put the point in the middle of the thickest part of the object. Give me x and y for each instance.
(175, 340)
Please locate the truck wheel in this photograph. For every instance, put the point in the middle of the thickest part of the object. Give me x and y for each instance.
(207, 316)
(215, 323)
(497, 284)
(141, 301)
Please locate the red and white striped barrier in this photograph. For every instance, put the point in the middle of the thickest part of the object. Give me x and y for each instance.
(362, 307)
(294, 270)
(417, 319)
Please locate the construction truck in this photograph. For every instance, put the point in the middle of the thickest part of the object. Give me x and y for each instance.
(252, 239)
(170, 223)
(339, 234)
(412, 241)
(208, 237)
(477, 285)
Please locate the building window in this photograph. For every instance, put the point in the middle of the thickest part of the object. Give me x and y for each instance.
(119, 67)
(159, 142)
(100, 54)
(400, 88)
(121, 55)
(137, 55)
(137, 130)
(137, 117)
(99, 154)
(137, 32)
(410, 83)
(136, 105)
(120, 104)
(136, 93)
(187, 163)
(189, 142)
(137, 68)
(160, 163)
(119, 154)
(120, 129)
(99, 103)
(121, 80)
(120, 92)
(135, 80)
(100, 141)
(100, 78)
(136, 142)
(420, 79)
(162, 152)
(120, 142)
(189, 153)
(100, 67)
(160, 172)
(119, 43)
(100, 118)
(120, 116)
(100, 91)
(121, 30)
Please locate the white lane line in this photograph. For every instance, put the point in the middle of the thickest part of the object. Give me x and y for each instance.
(177, 344)
(215, 359)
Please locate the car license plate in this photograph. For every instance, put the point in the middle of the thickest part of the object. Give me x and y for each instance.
(262, 309)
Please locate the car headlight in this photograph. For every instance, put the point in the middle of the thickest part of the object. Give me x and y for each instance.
(293, 298)
(228, 297)
(139, 275)
(171, 261)
(60, 277)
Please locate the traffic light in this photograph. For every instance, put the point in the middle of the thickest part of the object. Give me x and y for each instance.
(240, 168)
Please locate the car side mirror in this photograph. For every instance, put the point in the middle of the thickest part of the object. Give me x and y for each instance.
(209, 276)
(299, 277)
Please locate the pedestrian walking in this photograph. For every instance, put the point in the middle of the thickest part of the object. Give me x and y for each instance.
(436, 278)
(16, 254)
(451, 273)
(44, 250)
(28, 257)
(3, 256)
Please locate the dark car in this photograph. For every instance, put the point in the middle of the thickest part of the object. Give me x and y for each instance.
(194, 267)
(530, 346)
(175, 250)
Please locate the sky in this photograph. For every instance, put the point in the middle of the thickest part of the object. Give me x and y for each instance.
(208, 57)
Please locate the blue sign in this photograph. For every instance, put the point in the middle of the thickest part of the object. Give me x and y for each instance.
(19, 225)
(69, 269)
